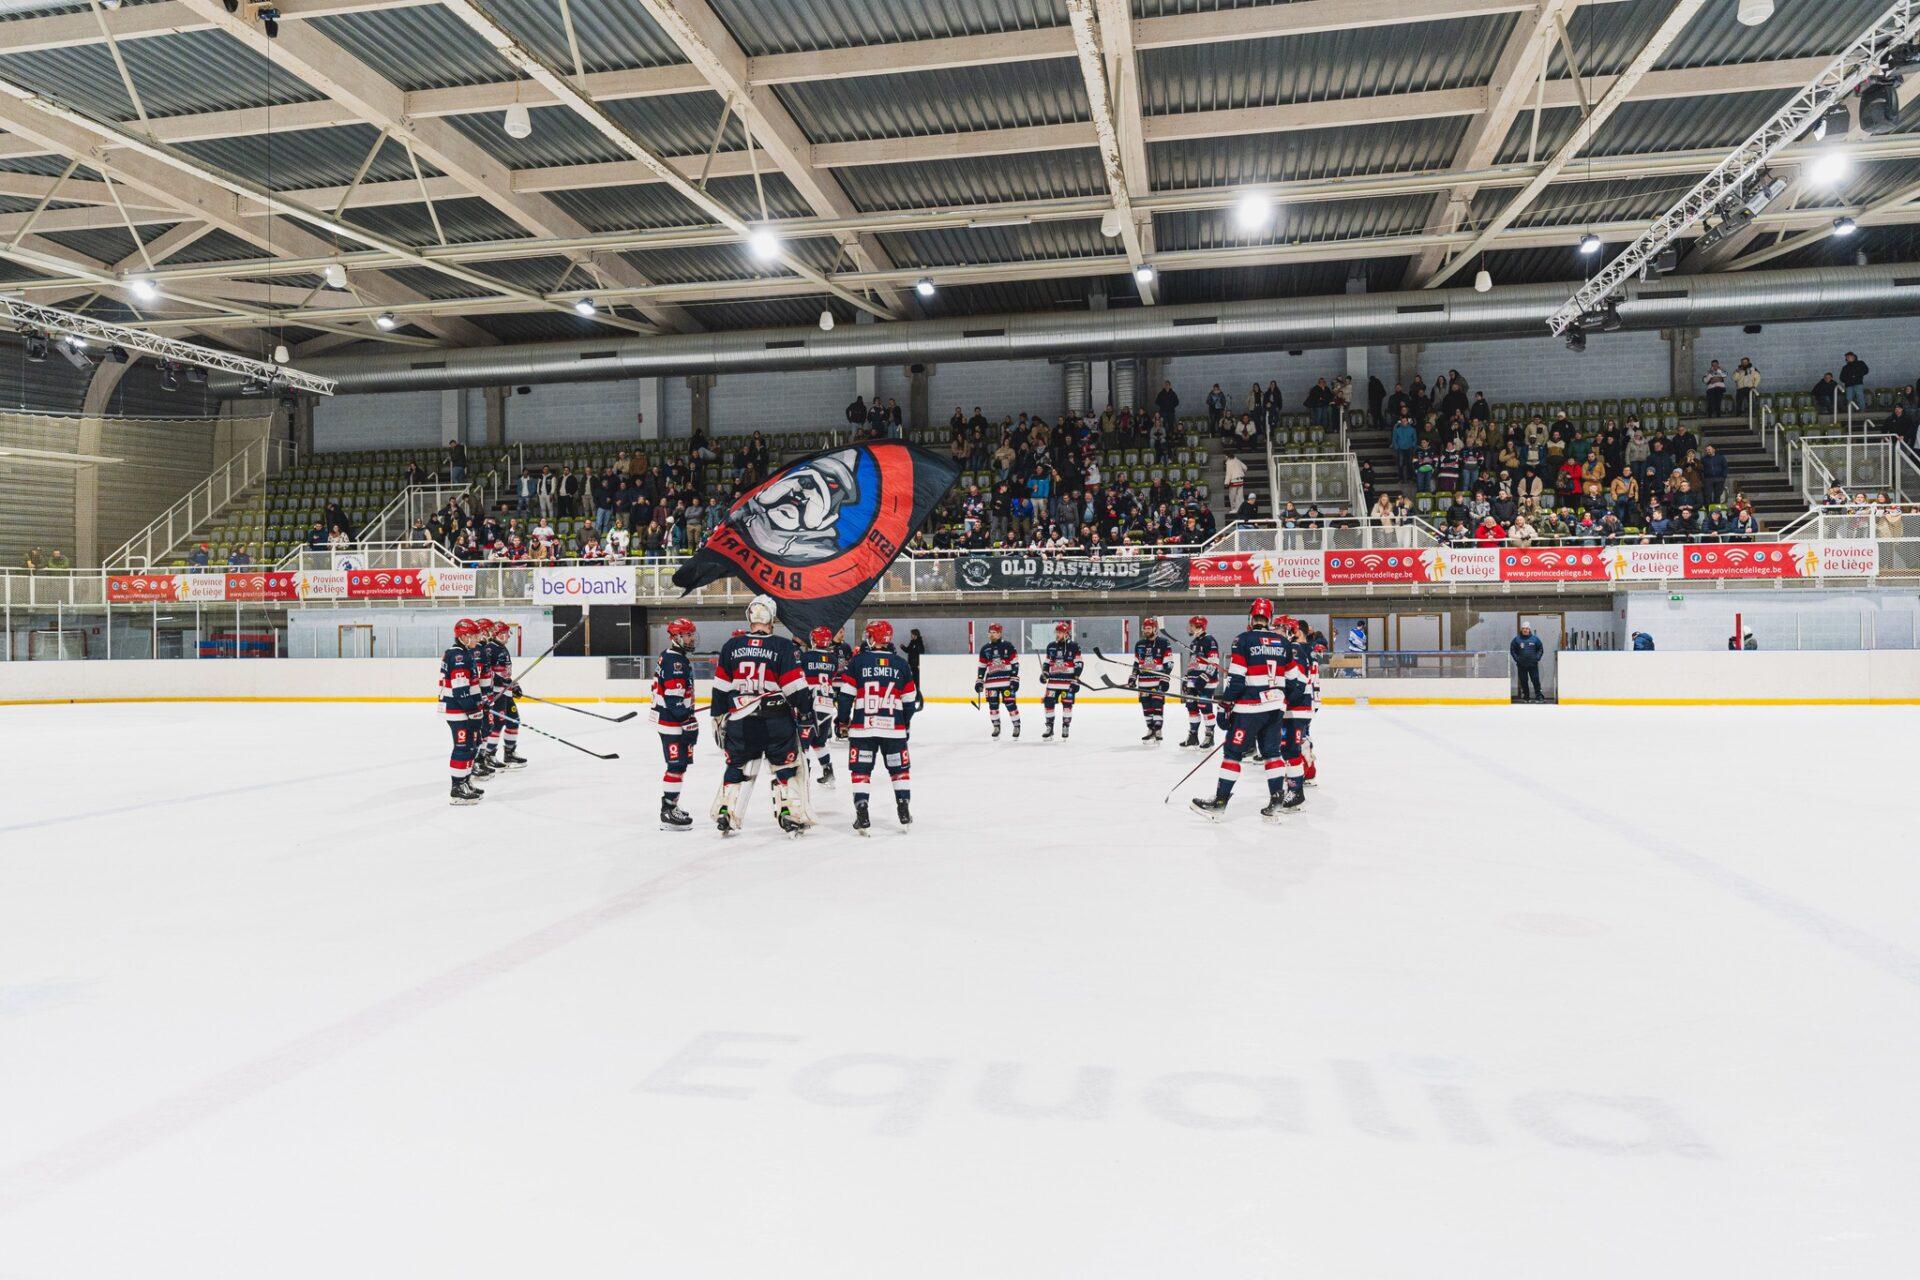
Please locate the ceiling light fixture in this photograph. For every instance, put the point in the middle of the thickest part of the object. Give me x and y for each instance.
(1589, 245)
(1483, 281)
(826, 319)
(335, 275)
(518, 123)
(583, 306)
(764, 243)
(1754, 12)
(1253, 211)
(1830, 168)
(281, 355)
(1111, 224)
(925, 287)
(1144, 273)
(1844, 227)
(385, 320)
(144, 288)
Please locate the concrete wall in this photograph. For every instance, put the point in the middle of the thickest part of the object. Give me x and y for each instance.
(1723, 678)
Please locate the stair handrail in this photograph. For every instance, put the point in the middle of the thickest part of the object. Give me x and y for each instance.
(255, 461)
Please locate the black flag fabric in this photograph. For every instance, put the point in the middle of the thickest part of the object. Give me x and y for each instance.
(818, 533)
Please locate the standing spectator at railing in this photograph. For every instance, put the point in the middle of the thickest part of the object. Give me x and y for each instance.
(526, 492)
(1216, 408)
(337, 539)
(857, 414)
(1746, 382)
(238, 558)
(1320, 404)
(619, 542)
(1853, 376)
(456, 462)
(1404, 440)
(197, 558)
(418, 535)
(1716, 389)
(35, 561)
(1901, 422)
(1489, 533)
(1826, 395)
(57, 561)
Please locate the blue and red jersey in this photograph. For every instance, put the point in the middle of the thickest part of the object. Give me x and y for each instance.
(1062, 666)
(999, 665)
(1152, 663)
(673, 706)
(1261, 671)
(459, 683)
(758, 668)
(876, 694)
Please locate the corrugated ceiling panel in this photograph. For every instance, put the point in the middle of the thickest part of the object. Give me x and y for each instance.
(678, 124)
(1321, 66)
(787, 26)
(464, 222)
(612, 34)
(766, 313)
(1796, 30)
(1334, 219)
(1537, 266)
(1671, 124)
(975, 180)
(1289, 280)
(1573, 204)
(215, 246)
(559, 137)
(1294, 156)
(422, 47)
(102, 244)
(1038, 242)
(657, 205)
(303, 158)
(179, 74)
(1029, 295)
(952, 100)
(1169, 8)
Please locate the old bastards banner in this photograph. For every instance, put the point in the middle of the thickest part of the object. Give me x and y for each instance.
(818, 533)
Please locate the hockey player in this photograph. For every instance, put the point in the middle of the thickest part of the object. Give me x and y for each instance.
(673, 716)
(482, 651)
(506, 705)
(1060, 674)
(757, 689)
(999, 677)
(1298, 716)
(1200, 681)
(820, 663)
(1151, 674)
(842, 651)
(1317, 651)
(877, 697)
(460, 703)
(1255, 689)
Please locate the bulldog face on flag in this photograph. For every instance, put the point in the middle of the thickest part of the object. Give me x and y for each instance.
(795, 518)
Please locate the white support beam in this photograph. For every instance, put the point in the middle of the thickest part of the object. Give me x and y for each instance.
(699, 33)
(329, 68)
(1515, 75)
(1615, 97)
(1103, 41)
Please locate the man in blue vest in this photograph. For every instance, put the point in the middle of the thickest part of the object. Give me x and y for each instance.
(1527, 651)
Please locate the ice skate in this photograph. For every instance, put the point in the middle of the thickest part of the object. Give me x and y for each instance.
(725, 808)
(1207, 744)
(1016, 728)
(900, 807)
(996, 728)
(673, 818)
(862, 824)
(1149, 735)
(1292, 799)
(483, 768)
(1193, 737)
(1048, 732)
(512, 760)
(1066, 731)
(464, 792)
(1274, 807)
(826, 774)
(1212, 809)
(789, 822)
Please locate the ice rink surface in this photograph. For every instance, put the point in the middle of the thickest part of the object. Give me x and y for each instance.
(1523, 992)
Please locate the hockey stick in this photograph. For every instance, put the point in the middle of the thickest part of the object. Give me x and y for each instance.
(548, 702)
(1115, 661)
(555, 645)
(1197, 768)
(610, 755)
(1174, 697)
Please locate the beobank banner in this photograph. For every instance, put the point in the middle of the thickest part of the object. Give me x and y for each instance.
(586, 584)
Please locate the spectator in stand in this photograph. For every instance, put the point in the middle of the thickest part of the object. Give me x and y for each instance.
(1236, 482)
(1826, 395)
(1527, 651)
(337, 539)
(1489, 533)
(544, 489)
(1376, 400)
(1716, 389)
(418, 535)
(1746, 382)
(1853, 376)
(1902, 423)
(526, 491)
(1713, 475)
(58, 560)
(239, 559)
(1522, 534)
(1425, 466)
(1399, 404)
(1271, 403)
(1320, 404)
(316, 539)
(1168, 403)
(197, 558)
(857, 414)
(456, 462)
(1216, 408)
(1405, 439)
(1252, 405)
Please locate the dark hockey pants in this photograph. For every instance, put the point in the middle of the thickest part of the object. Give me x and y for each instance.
(466, 742)
(864, 753)
(770, 738)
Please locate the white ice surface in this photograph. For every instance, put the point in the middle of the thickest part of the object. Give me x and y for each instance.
(1525, 992)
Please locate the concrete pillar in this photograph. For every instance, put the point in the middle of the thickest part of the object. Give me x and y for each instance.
(86, 480)
(453, 416)
(653, 409)
(1680, 361)
(300, 425)
(1153, 371)
(866, 377)
(700, 385)
(919, 396)
(1406, 361)
(497, 416)
(1099, 372)
(1357, 367)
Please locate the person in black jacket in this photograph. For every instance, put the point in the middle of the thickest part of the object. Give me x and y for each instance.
(916, 650)
(1168, 403)
(1826, 395)
(857, 413)
(1320, 404)
(1527, 651)
(1853, 376)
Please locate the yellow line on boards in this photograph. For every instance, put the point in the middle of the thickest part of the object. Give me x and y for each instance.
(1740, 702)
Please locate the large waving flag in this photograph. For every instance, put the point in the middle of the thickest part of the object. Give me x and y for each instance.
(817, 534)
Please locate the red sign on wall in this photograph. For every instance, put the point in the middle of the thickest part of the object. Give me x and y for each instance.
(1750, 560)
(1553, 564)
(384, 584)
(137, 588)
(1364, 567)
(266, 585)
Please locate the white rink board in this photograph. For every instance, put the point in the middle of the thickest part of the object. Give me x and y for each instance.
(269, 1007)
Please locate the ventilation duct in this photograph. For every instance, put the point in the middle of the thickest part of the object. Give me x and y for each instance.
(1338, 320)
(1126, 384)
(1079, 382)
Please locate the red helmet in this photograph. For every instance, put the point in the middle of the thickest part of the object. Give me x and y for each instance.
(1063, 630)
(466, 629)
(1148, 625)
(500, 629)
(1260, 610)
(485, 627)
(994, 629)
(880, 633)
(821, 637)
(1196, 624)
(680, 629)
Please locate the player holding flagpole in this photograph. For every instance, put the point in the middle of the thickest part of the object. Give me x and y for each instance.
(1060, 672)
(673, 716)
(998, 677)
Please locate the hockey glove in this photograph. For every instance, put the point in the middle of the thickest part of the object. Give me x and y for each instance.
(979, 687)
(841, 728)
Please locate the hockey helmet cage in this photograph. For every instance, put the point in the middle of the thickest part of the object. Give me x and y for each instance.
(761, 611)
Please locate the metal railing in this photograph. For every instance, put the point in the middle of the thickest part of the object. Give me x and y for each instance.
(256, 462)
